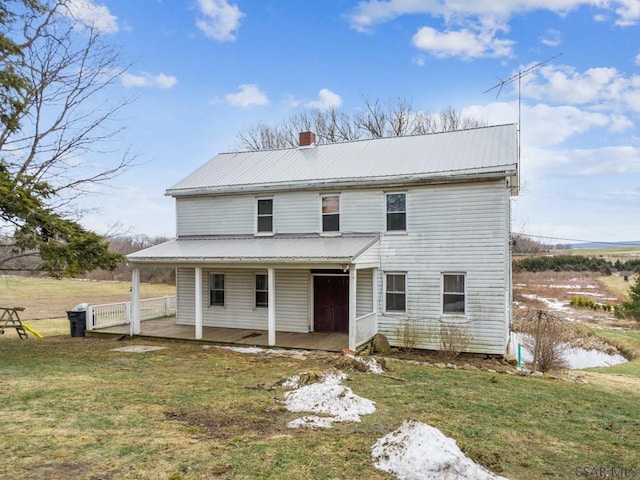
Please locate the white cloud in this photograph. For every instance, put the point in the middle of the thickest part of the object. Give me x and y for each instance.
(601, 87)
(370, 13)
(462, 43)
(92, 15)
(551, 38)
(326, 100)
(543, 125)
(471, 26)
(637, 60)
(419, 60)
(147, 80)
(607, 160)
(220, 20)
(628, 12)
(248, 96)
(292, 101)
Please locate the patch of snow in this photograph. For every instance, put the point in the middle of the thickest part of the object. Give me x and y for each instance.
(251, 350)
(137, 349)
(371, 363)
(292, 382)
(265, 351)
(312, 422)
(328, 397)
(417, 451)
(558, 305)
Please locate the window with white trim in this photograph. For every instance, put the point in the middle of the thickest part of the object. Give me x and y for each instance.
(216, 289)
(331, 213)
(396, 292)
(453, 293)
(262, 290)
(264, 221)
(396, 208)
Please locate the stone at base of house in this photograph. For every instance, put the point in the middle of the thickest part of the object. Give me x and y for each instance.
(380, 344)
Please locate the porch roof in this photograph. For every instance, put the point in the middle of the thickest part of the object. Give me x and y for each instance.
(278, 249)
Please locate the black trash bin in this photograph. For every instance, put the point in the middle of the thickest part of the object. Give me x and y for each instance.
(78, 320)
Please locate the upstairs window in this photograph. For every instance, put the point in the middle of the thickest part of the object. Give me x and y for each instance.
(262, 290)
(453, 293)
(265, 215)
(396, 212)
(396, 292)
(216, 289)
(331, 213)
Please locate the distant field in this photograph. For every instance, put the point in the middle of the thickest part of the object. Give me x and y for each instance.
(48, 298)
(616, 284)
(614, 253)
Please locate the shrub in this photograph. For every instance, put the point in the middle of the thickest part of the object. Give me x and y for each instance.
(454, 339)
(631, 309)
(408, 335)
(564, 263)
(545, 339)
(581, 302)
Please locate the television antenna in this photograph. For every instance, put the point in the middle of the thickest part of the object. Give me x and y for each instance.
(512, 79)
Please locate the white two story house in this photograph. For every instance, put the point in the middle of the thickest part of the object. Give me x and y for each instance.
(363, 237)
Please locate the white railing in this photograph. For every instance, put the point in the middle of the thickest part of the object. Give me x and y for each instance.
(366, 328)
(112, 314)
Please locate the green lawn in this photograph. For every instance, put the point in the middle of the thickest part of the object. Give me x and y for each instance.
(76, 409)
(45, 298)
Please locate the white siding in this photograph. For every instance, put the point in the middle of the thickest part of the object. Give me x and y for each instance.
(452, 228)
(297, 212)
(294, 212)
(239, 311)
(185, 296)
(362, 211)
(215, 215)
(364, 293)
(292, 300)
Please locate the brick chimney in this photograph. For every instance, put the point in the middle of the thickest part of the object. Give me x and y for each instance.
(307, 139)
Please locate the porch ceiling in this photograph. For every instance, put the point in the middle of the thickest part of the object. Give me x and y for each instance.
(277, 249)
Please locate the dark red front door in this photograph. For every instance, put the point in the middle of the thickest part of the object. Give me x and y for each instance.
(331, 304)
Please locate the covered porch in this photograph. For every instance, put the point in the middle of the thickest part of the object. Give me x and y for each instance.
(215, 300)
(167, 328)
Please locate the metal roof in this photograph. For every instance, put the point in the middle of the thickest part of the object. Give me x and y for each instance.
(250, 249)
(473, 152)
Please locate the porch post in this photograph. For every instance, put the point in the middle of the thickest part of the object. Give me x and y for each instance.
(353, 288)
(198, 297)
(374, 300)
(135, 302)
(271, 302)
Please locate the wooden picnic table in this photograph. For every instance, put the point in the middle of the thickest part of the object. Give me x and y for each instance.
(11, 319)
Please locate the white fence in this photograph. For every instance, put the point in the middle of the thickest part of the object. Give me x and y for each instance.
(112, 314)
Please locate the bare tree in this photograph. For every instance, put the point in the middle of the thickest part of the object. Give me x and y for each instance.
(64, 115)
(69, 69)
(395, 118)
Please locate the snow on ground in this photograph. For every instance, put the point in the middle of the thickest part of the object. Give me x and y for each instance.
(371, 363)
(327, 397)
(264, 351)
(558, 305)
(417, 451)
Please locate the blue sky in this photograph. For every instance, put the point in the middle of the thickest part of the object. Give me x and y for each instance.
(203, 70)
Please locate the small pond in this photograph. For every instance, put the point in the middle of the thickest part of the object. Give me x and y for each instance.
(576, 357)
